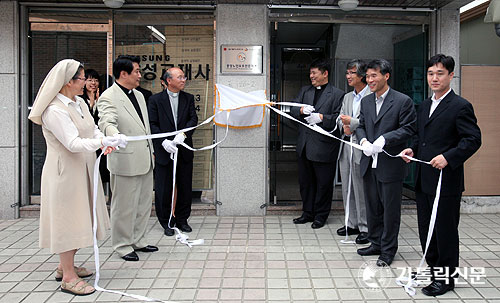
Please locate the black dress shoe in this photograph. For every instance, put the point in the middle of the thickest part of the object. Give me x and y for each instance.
(131, 257)
(362, 238)
(369, 251)
(169, 232)
(350, 231)
(302, 220)
(148, 248)
(438, 288)
(384, 260)
(317, 224)
(184, 227)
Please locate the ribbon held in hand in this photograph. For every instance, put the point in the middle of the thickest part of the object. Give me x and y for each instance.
(379, 144)
(308, 109)
(179, 138)
(110, 141)
(367, 148)
(313, 118)
(122, 140)
(169, 146)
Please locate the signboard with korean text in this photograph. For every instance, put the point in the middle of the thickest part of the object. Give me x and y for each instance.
(190, 48)
(241, 59)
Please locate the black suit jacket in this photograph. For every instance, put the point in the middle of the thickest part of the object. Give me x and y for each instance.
(396, 121)
(319, 147)
(146, 93)
(161, 120)
(451, 130)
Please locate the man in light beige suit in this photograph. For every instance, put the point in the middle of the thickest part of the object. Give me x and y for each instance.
(123, 112)
(349, 165)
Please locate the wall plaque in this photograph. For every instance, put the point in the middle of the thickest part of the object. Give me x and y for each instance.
(241, 59)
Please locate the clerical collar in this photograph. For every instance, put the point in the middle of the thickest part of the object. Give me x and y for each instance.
(172, 94)
(124, 89)
(321, 87)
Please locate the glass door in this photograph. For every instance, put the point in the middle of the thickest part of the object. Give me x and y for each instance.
(410, 57)
(294, 46)
(54, 36)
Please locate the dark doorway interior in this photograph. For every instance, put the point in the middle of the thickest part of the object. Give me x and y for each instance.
(293, 47)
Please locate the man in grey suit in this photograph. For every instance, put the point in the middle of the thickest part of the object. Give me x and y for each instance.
(386, 121)
(349, 157)
(317, 153)
(123, 112)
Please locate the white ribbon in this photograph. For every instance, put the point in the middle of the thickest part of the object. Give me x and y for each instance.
(96, 247)
(314, 127)
(374, 160)
(184, 239)
(408, 283)
(348, 198)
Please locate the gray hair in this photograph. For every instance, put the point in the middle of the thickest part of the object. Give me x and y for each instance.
(167, 75)
(360, 66)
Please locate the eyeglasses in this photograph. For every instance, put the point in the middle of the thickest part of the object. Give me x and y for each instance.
(350, 73)
(93, 80)
(83, 79)
(182, 78)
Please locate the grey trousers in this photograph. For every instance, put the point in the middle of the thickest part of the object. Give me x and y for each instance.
(130, 210)
(356, 204)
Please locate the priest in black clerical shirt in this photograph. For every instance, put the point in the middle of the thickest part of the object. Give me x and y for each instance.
(317, 154)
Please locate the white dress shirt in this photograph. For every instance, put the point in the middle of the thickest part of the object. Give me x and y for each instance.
(435, 102)
(58, 122)
(357, 100)
(380, 100)
(174, 103)
(378, 105)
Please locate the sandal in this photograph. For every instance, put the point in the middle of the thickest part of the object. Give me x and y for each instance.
(82, 272)
(72, 288)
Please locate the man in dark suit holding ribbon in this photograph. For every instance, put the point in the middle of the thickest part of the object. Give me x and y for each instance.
(317, 153)
(387, 120)
(447, 135)
(171, 110)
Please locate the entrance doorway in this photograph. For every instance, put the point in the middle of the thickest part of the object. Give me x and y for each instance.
(51, 42)
(295, 45)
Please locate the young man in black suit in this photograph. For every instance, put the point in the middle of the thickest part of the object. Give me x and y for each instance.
(447, 135)
(387, 120)
(317, 153)
(171, 110)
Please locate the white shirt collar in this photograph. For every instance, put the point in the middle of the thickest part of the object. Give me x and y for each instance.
(67, 101)
(361, 93)
(382, 97)
(433, 98)
(172, 94)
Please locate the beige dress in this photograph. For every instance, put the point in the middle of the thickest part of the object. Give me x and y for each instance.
(66, 190)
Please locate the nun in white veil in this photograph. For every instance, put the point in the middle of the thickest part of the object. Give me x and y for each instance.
(67, 176)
